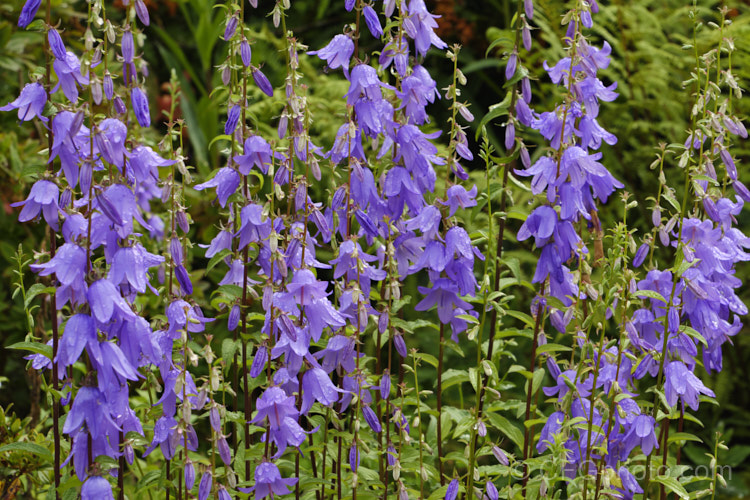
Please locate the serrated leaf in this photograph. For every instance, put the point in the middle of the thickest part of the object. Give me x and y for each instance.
(429, 358)
(34, 448)
(547, 348)
(684, 436)
(495, 111)
(217, 258)
(228, 348)
(35, 347)
(502, 424)
(34, 290)
(672, 485)
(651, 295)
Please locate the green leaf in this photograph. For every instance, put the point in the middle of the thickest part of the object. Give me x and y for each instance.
(537, 380)
(217, 258)
(672, 485)
(429, 358)
(35, 347)
(511, 431)
(547, 348)
(34, 448)
(495, 111)
(34, 290)
(651, 295)
(683, 436)
(220, 137)
(228, 348)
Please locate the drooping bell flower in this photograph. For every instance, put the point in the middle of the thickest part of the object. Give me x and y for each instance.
(30, 103)
(96, 488)
(226, 181)
(337, 53)
(43, 197)
(268, 482)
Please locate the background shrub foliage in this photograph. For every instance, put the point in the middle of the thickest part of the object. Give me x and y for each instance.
(653, 60)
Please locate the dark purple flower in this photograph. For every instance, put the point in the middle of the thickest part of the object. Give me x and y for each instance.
(204, 489)
(491, 490)
(231, 27)
(140, 107)
(28, 12)
(373, 23)
(127, 46)
(183, 278)
(452, 491)
(262, 82)
(354, 457)
(233, 117)
(246, 53)
(30, 103)
(371, 419)
(56, 45)
(641, 254)
(259, 361)
(142, 12)
(510, 69)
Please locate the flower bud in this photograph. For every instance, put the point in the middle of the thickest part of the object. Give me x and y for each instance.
(142, 12)
(127, 46)
(205, 487)
(108, 86)
(120, 108)
(182, 221)
(246, 53)
(259, 361)
(56, 45)
(189, 475)
(234, 318)
(231, 28)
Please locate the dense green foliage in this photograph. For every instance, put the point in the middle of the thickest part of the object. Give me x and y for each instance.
(652, 58)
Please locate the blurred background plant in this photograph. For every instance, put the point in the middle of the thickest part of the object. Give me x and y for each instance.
(649, 62)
